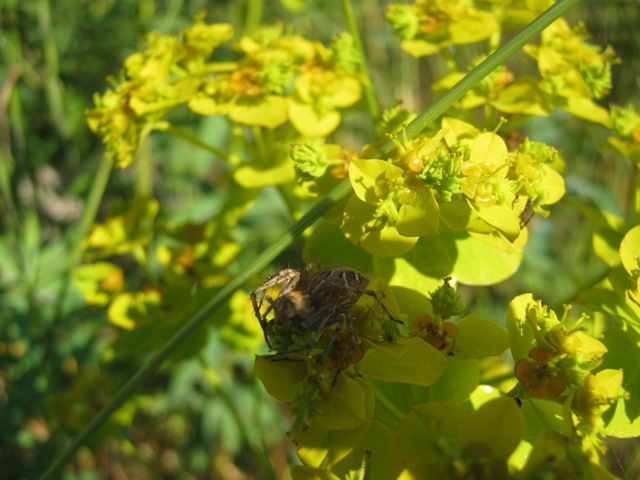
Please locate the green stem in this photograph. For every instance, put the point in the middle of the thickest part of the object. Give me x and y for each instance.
(317, 211)
(253, 15)
(184, 135)
(83, 227)
(369, 93)
(144, 170)
(90, 209)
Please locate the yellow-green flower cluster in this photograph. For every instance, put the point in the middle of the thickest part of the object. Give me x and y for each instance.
(569, 65)
(428, 26)
(274, 78)
(484, 186)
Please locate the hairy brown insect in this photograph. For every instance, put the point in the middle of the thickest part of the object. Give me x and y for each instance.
(315, 303)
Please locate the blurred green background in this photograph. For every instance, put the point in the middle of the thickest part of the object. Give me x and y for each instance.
(206, 416)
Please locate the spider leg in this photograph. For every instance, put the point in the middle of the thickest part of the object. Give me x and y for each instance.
(376, 297)
(257, 306)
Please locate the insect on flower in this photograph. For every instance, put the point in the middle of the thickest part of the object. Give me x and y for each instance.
(312, 310)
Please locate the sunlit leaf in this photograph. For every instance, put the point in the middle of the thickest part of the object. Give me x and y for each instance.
(489, 147)
(250, 176)
(479, 338)
(623, 420)
(328, 243)
(522, 96)
(364, 176)
(500, 217)
(630, 251)
(587, 109)
(270, 112)
(358, 227)
(479, 263)
(521, 336)
(420, 217)
(311, 123)
(411, 361)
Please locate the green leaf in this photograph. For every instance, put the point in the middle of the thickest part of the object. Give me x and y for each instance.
(500, 217)
(348, 406)
(623, 352)
(610, 302)
(203, 104)
(489, 148)
(303, 472)
(419, 438)
(587, 109)
(348, 91)
(497, 424)
(328, 244)
(424, 267)
(472, 26)
(309, 122)
(482, 394)
(321, 447)
(456, 383)
(411, 361)
(359, 227)
(540, 415)
(478, 338)
(419, 48)
(606, 245)
(554, 185)
(620, 423)
(252, 176)
(364, 174)
(277, 378)
(480, 263)
(409, 284)
(269, 111)
(521, 336)
(458, 215)
(420, 217)
(630, 251)
(522, 96)
(378, 462)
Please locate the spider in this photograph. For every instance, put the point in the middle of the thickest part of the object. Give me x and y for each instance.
(310, 303)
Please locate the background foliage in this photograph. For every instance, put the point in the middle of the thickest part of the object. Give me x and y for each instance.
(61, 359)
